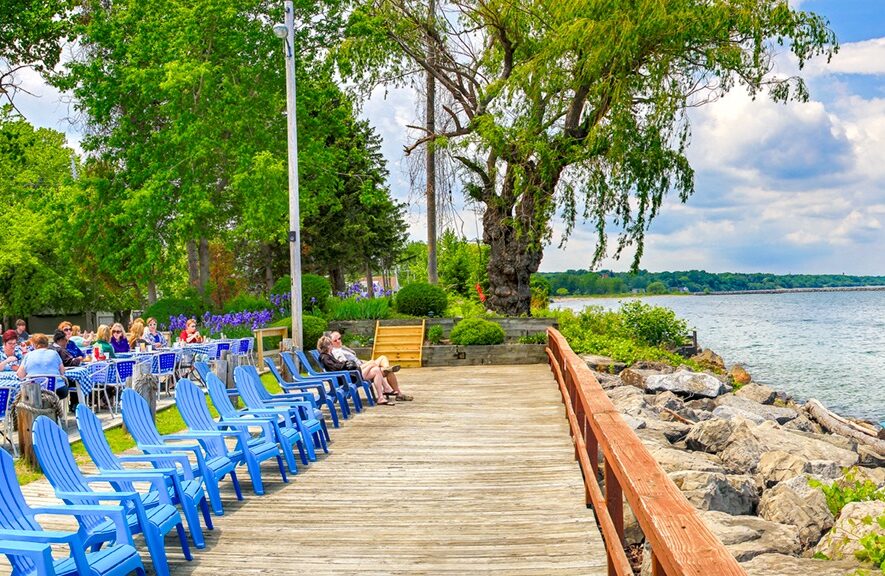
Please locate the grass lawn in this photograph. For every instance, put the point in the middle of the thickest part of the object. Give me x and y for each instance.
(169, 421)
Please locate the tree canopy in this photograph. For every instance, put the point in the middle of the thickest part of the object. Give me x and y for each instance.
(576, 104)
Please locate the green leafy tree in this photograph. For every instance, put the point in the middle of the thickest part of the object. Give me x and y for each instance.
(577, 104)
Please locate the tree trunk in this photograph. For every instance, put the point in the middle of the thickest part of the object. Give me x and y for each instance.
(193, 264)
(267, 255)
(514, 250)
(430, 125)
(337, 276)
(204, 265)
(152, 292)
(370, 282)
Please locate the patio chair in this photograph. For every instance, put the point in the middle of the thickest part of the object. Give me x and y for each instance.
(187, 492)
(310, 427)
(305, 387)
(350, 380)
(165, 364)
(253, 451)
(100, 375)
(284, 430)
(27, 546)
(338, 383)
(245, 347)
(7, 393)
(212, 465)
(57, 462)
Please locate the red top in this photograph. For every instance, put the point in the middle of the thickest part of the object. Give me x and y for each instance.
(194, 338)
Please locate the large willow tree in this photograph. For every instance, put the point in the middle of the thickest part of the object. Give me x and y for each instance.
(577, 105)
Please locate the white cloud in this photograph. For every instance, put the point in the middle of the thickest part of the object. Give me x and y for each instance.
(864, 57)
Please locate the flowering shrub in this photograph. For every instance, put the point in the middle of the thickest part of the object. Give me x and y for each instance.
(230, 324)
(358, 291)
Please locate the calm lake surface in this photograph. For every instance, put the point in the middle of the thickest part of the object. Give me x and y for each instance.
(824, 345)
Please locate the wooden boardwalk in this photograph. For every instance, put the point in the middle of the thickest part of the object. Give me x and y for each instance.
(477, 475)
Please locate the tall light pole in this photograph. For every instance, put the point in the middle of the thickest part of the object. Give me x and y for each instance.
(287, 33)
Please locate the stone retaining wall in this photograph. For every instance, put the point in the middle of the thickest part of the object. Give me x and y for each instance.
(514, 328)
(475, 355)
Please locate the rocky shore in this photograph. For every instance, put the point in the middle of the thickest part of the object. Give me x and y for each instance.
(744, 455)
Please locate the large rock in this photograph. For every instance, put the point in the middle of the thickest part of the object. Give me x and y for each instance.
(795, 502)
(779, 415)
(869, 457)
(631, 401)
(749, 536)
(606, 380)
(777, 466)
(843, 540)
(603, 363)
(636, 376)
(686, 383)
(734, 495)
(709, 359)
(748, 443)
(672, 460)
(709, 435)
(739, 375)
(673, 431)
(756, 393)
(784, 565)
(732, 413)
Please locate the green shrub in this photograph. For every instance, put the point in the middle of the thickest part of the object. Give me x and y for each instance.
(848, 489)
(163, 308)
(421, 299)
(283, 285)
(540, 288)
(464, 307)
(434, 334)
(312, 327)
(472, 331)
(653, 325)
(873, 544)
(248, 302)
(315, 291)
(656, 287)
(357, 308)
(536, 338)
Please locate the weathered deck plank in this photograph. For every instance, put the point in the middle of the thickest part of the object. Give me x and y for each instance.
(477, 475)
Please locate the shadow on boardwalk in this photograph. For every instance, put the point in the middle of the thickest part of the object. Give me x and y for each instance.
(476, 475)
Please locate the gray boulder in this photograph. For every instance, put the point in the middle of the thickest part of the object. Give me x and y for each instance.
(630, 400)
(749, 536)
(603, 363)
(709, 435)
(779, 415)
(636, 376)
(784, 565)
(748, 443)
(802, 423)
(730, 413)
(672, 460)
(756, 393)
(606, 380)
(686, 383)
(734, 495)
(673, 431)
(794, 502)
(843, 540)
(777, 466)
(870, 458)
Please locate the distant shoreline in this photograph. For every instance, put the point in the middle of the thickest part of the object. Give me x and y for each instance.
(723, 293)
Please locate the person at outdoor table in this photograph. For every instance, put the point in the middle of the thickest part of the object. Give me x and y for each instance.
(118, 339)
(60, 345)
(343, 353)
(137, 341)
(329, 362)
(190, 335)
(41, 361)
(154, 337)
(78, 338)
(21, 331)
(11, 355)
(102, 347)
(72, 348)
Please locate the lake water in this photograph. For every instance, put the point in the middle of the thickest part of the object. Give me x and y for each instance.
(824, 345)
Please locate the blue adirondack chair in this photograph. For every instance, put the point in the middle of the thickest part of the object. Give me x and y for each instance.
(306, 386)
(308, 425)
(211, 466)
(202, 369)
(284, 430)
(339, 385)
(352, 379)
(54, 454)
(187, 492)
(27, 546)
(253, 451)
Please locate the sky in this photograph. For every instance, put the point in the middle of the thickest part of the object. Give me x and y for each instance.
(797, 188)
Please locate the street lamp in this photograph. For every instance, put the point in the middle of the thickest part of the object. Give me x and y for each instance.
(286, 32)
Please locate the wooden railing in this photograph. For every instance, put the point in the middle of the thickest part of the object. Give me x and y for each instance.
(681, 544)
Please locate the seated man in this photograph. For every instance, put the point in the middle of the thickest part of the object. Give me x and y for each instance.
(60, 345)
(342, 353)
(374, 374)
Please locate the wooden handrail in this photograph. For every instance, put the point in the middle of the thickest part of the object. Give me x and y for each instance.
(681, 544)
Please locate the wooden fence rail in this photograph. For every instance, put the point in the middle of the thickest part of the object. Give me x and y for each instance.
(681, 544)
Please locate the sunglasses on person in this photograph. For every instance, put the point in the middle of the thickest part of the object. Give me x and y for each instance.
(116, 331)
(67, 329)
